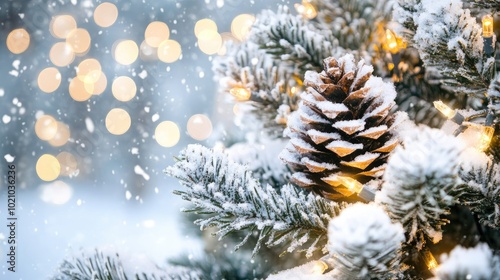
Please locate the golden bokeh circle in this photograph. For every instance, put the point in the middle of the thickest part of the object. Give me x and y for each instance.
(118, 121)
(61, 54)
(156, 32)
(98, 87)
(209, 41)
(79, 40)
(241, 25)
(204, 24)
(124, 88)
(169, 51)
(167, 134)
(48, 167)
(105, 14)
(89, 70)
(62, 25)
(18, 41)
(49, 79)
(199, 127)
(46, 127)
(68, 162)
(80, 90)
(126, 52)
(62, 135)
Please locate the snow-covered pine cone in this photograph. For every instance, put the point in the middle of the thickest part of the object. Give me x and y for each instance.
(342, 129)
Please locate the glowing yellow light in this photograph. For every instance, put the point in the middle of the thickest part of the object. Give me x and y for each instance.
(319, 267)
(61, 54)
(430, 261)
(46, 127)
(48, 167)
(89, 70)
(484, 135)
(126, 52)
(155, 33)
(61, 26)
(306, 9)
(69, 164)
(124, 88)
(199, 127)
(79, 90)
(167, 134)
(487, 26)
(18, 41)
(209, 41)
(56, 192)
(62, 135)
(444, 109)
(391, 41)
(241, 25)
(169, 51)
(351, 184)
(241, 93)
(105, 14)
(79, 40)
(98, 87)
(49, 79)
(118, 121)
(204, 24)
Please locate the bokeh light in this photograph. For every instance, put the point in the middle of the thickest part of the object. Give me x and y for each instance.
(18, 41)
(46, 127)
(79, 90)
(79, 40)
(169, 51)
(98, 87)
(118, 121)
(124, 88)
(49, 79)
(48, 167)
(148, 53)
(167, 134)
(105, 14)
(62, 135)
(61, 54)
(61, 26)
(69, 164)
(241, 25)
(209, 41)
(126, 52)
(57, 192)
(155, 33)
(204, 24)
(199, 127)
(89, 70)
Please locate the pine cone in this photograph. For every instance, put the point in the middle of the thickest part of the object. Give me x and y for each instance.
(342, 129)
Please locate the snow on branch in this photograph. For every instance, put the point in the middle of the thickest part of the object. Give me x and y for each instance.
(236, 201)
(421, 183)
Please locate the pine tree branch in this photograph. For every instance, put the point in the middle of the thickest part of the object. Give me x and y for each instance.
(236, 201)
(487, 4)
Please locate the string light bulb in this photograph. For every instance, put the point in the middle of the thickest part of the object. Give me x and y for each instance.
(319, 267)
(306, 9)
(488, 36)
(241, 93)
(485, 135)
(487, 26)
(449, 113)
(391, 41)
(429, 260)
(355, 186)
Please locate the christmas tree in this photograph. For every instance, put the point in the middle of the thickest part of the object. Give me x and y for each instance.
(385, 115)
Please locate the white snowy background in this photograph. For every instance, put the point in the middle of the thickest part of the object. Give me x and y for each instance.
(120, 200)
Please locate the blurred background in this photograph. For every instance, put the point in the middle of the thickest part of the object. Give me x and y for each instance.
(96, 98)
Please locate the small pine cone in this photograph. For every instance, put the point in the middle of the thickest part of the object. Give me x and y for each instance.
(342, 129)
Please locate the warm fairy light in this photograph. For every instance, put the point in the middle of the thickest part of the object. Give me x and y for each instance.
(69, 164)
(79, 40)
(155, 33)
(105, 14)
(48, 167)
(61, 54)
(126, 52)
(444, 109)
(49, 79)
(391, 41)
(351, 184)
(79, 90)
(484, 135)
(209, 41)
(429, 260)
(319, 267)
(306, 9)
(56, 192)
(62, 135)
(61, 26)
(199, 127)
(118, 121)
(487, 26)
(169, 51)
(46, 127)
(124, 88)
(167, 134)
(89, 70)
(99, 86)
(18, 41)
(240, 26)
(241, 93)
(204, 24)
